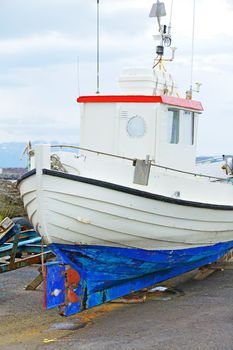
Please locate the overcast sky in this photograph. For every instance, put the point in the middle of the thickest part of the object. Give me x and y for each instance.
(41, 40)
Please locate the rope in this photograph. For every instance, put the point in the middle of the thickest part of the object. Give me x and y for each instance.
(43, 267)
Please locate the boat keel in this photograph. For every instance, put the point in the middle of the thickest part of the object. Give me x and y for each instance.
(73, 289)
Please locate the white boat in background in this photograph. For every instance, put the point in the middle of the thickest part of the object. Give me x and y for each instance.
(126, 209)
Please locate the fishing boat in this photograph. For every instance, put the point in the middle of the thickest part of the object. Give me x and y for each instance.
(125, 209)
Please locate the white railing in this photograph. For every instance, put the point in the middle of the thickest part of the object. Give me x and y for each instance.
(61, 146)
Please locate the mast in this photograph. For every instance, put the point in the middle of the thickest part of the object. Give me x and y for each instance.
(189, 93)
(98, 49)
(158, 10)
(193, 39)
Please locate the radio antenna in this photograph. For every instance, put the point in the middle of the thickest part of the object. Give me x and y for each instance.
(170, 22)
(98, 47)
(193, 39)
(78, 75)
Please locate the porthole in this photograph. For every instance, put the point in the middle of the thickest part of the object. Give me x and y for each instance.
(136, 126)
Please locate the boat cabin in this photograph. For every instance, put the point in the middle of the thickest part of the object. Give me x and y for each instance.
(147, 118)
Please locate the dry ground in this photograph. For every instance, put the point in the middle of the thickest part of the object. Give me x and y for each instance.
(200, 318)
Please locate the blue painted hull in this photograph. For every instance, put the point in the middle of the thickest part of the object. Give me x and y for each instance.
(107, 273)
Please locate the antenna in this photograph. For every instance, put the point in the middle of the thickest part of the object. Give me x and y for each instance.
(193, 38)
(98, 48)
(189, 93)
(170, 22)
(78, 76)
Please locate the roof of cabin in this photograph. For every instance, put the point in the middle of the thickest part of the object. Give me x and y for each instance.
(169, 100)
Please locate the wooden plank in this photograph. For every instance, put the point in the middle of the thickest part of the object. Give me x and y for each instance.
(203, 273)
(35, 283)
(34, 259)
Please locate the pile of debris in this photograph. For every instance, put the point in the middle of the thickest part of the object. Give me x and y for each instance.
(11, 173)
(11, 204)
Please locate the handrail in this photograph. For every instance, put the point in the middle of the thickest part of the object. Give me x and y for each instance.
(92, 151)
(133, 159)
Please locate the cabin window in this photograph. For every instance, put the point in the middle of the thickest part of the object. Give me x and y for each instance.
(188, 128)
(173, 126)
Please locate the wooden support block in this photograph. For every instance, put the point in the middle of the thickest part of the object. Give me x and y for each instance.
(36, 282)
(228, 265)
(224, 263)
(203, 273)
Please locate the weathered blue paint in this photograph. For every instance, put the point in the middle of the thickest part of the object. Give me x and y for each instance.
(9, 234)
(54, 293)
(29, 245)
(14, 242)
(108, 272)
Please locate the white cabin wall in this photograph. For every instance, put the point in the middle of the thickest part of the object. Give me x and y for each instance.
(136, 146)
(104, 127)
(98, 124)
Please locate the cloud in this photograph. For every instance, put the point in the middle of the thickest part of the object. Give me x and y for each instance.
(43, 33)
(40, 42)
(20, 17)
(42, 50)
(230, 4)
(72, 17)
(56, 32)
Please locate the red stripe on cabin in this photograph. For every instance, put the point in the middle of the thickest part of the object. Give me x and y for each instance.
(182, 102)
(170, 100)
(120, 98)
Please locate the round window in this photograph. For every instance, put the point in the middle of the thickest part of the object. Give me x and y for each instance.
(136, 126)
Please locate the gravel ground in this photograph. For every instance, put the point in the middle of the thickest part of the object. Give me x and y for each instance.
(200, 318)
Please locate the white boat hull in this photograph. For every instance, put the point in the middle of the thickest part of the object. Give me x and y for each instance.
(70, 209)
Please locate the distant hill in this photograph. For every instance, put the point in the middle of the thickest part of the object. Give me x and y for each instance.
(209, 159)
(11, 154)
